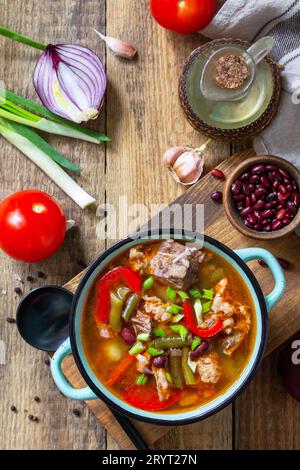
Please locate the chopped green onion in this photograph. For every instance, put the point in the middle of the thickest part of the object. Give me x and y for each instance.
(183, 332)
(136, 349)
(207, 294)
(195, 343)
(169, 377)
(23, 39)
(206, 307)
(65, 127)
(198, 311)
(29, 143)
(174, 309)
(196, 293)
(159, 332)
(141, 379)
(183, 294)
(171, 294)
(154, 351)
(177, 318)
(148, 283)
(143, 337)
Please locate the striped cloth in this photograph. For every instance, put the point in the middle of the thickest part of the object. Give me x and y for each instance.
(251, 20)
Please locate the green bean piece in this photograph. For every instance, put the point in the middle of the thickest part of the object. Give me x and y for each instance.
(176, 368)
(177, 318)
(148, 283)
(130, 306)
(174, 309)
(169, 377)
(188, 375)
(171, 294)
(159, 332)
(195, 343)
(170, 342)
(183, 294)
(116, 305)
(136, 349)
(122, 292)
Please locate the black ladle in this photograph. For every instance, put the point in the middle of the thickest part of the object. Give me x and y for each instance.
(43, 322)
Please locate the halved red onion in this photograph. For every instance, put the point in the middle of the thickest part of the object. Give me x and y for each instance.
(70, 81)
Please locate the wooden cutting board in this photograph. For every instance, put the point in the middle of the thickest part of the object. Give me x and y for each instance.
(284, 318)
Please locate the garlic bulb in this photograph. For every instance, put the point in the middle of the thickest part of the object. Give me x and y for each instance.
(185, 164)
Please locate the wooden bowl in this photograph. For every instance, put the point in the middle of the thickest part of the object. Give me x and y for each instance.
(234, 134)
(233, 214)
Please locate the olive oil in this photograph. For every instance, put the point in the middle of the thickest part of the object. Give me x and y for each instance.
(232, 114)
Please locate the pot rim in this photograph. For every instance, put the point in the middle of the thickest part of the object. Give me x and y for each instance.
(264, 331)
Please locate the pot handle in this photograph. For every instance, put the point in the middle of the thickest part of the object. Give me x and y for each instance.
(249, 254)
(61, 382)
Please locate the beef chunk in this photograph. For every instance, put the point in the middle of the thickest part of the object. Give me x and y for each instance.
(176, 265)
(209, 368)
(141, 323)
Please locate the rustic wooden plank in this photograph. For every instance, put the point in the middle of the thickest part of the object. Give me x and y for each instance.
(25, 373)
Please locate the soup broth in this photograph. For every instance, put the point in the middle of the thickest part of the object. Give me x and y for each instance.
(187, 339)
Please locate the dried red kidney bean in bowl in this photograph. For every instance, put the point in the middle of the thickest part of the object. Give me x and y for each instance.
(266, 197)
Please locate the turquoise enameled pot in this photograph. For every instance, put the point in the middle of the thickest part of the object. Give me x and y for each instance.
(96, 389)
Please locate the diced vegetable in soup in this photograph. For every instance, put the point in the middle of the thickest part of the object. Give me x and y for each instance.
(168, 327)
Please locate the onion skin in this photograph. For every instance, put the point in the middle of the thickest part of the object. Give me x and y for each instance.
(289, 367)
(70, 81)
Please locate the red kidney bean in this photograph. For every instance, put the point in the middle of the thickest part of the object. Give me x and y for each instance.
(247, 223)
(284, 263)
(217, 196)
(239, 197)
(245, 212)
(283, 172)
(253, 198)
(216, 173)
(286, 181)
(280, 214)
(201, 349)
(245, 176)
(259, 205)
(260, 192)
(236, 187)
(271, 197)
(264, 181)
(258, 168)
(160, 361)
(251, 219)
(267, 228)
(276, 225)
(291, 207)
(282, 189)
(266, 221)
(128, 336)
(296, 199)
(289, 188)
(247, 202)
(270, 177)
(271, 167)
(258, 227)
(262, 263)
(269, 205)
(255, 179)
(245, 189)
(286, 221)
(275, 185)
(258, 215)
(277, 175)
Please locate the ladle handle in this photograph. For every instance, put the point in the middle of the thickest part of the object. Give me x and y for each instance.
(61, 382)
(260, 48)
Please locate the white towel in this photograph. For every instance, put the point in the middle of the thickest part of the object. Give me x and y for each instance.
(252, 19)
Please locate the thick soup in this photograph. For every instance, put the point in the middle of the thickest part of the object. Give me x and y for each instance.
(168, 327)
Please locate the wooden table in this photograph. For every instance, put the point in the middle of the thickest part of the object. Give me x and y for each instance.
(143, 118)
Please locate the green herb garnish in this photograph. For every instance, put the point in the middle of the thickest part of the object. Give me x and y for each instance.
(174, 309)
(141, 379)
(183, 294)
(183, 332)
(177, 318)
(195, 343)
(143, 337)
(159, 332)
(171, 294)
(196, 293)
(169, 377)
(207, 294)
(136, 349)
(155, 352)
(206, 307)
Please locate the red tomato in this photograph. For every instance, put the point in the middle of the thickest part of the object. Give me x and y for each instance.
(183, 16)
(32, 226)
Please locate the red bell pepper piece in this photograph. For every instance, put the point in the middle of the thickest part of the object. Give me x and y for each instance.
(146, 398)
(190, 323)
(116, 277)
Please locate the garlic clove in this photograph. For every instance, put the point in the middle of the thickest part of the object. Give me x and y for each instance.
(188, 168)
(118, 47)
(172, 154)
